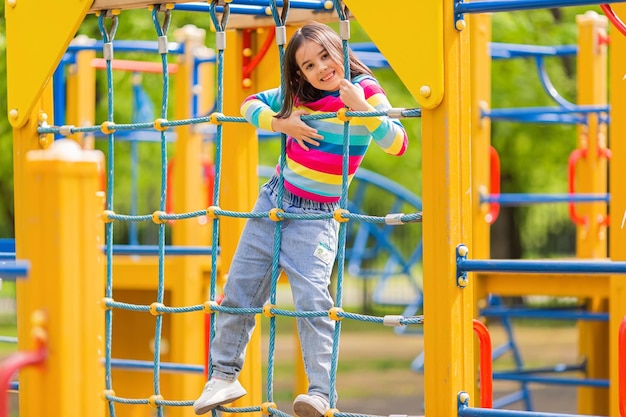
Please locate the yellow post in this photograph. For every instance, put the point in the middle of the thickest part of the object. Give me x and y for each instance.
(481, 148)
(81, 91)
(591, 176)
(238, 191)
(61, 234)
(617, 171)
(447, 196)
(28, 24)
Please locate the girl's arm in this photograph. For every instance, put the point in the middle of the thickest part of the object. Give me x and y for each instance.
(260, 110)
(387, 132)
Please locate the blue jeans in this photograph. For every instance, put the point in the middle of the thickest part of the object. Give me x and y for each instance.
(307, 254)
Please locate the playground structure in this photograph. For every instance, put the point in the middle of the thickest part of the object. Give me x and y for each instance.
(587, 182)
(446, 122)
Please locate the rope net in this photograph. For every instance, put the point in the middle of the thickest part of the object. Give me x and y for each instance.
(219, 13)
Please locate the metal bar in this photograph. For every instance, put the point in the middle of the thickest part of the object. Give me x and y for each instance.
(514, 5)
(15, 269)
(149, 366)
(515, 199)
(541, 266)
(488, 412)
(577, 382)
(154, 250)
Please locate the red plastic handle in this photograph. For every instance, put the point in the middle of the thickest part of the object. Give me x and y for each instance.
(571, 180)
(617, 22)
(10, 366)
(622, 368)
(573, 160)
(485, 364)
(494, 185)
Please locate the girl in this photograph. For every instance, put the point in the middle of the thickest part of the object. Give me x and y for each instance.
(316, 83)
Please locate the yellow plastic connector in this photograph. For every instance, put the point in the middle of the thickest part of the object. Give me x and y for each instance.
(210, 212)
(341, 115)
(152, 400)
(107, 392)
(331, 412)
(213, 118)
(273, 214)
(154, 308)
(39, 334)
(158, 125)
(337, 215)
(208, 306)
(38, 318)
(156, 217)
(265, 408)
(107, 127)
(334, 312)
(106, 216)
(267, 310)
(104, 302)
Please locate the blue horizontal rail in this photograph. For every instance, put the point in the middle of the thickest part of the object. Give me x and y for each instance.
(14, 269)
(551, 114)
(551, 380)
(503, 50)
(547, 313)
(490, 412)
(516, 199)
(253, 7)
(491, 6)
(540, 266)
(154, 250)
(149, 366)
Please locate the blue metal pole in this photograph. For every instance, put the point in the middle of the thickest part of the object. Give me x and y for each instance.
(16, 269)
(551, 380)
(489, 412)
(154, 250)
(513, 5)
(540, 266)
(516, 199)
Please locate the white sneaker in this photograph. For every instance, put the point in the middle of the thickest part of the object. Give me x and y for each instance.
(310, 405)
(217, 392)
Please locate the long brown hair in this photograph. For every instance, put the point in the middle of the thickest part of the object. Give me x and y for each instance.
(294, 85)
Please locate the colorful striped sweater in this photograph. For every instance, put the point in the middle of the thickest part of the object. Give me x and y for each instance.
(316, 174)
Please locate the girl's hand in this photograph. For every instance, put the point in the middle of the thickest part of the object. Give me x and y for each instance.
(353, 96)
(297, 129)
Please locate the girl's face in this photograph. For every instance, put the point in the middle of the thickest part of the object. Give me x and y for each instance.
(317, 67)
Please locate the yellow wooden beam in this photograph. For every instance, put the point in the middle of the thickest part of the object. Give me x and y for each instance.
(447, 195)
(61, 236)
(617, 170)
(555, 285)
(38, 33)
(420, 69)
(100, 5)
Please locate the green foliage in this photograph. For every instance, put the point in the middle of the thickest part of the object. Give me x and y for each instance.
(6, 145)
(534, 156)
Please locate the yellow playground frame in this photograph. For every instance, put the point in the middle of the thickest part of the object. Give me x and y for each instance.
(61, 233)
